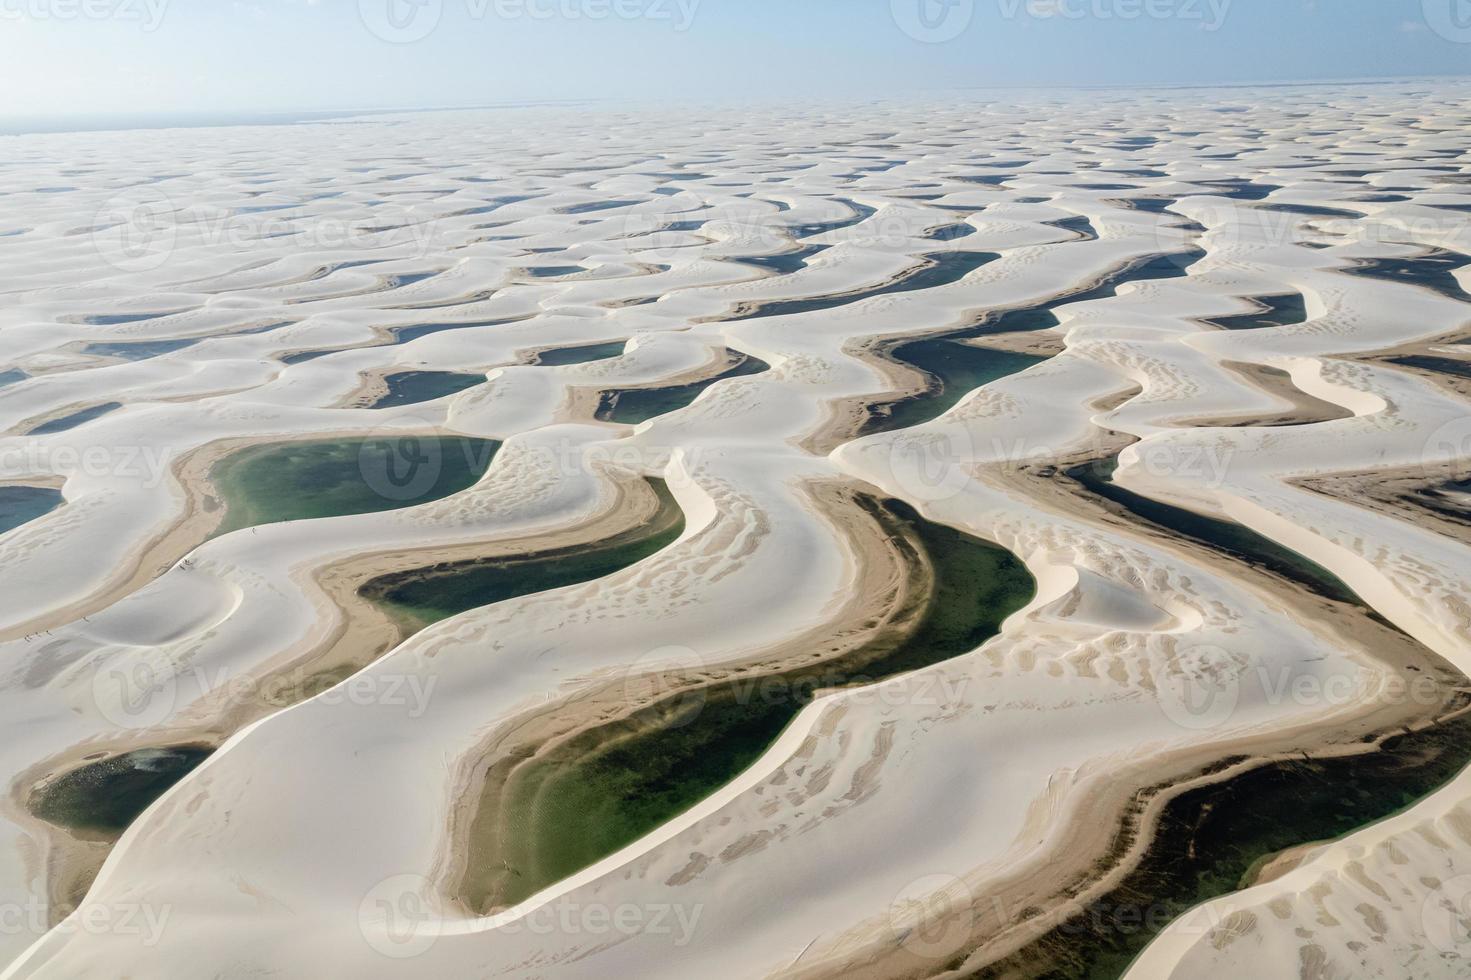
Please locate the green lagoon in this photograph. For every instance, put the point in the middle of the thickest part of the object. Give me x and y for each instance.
(605, 788)
(303, 480)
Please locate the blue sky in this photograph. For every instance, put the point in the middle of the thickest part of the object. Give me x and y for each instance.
(97, 57)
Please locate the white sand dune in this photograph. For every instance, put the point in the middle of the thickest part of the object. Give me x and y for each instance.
(933, 824)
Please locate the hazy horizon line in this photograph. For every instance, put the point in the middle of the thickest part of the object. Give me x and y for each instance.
(125, 121)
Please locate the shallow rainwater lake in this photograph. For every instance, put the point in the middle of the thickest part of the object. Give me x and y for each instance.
(605, 788)
(1211, 842)
(1212, 839)
(1434, 270)
(631, 406)
(414, 387)
(957, 369)
(67, 422)
(104, 797)
(138, 350)
(558, 356)
(1041, 316)
(1276, 311)
(20, 504)
(940, 269)
(423, 596)
(293, 481)
(1222, 535)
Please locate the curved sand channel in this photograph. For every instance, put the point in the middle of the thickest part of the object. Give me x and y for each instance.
(1035, 783)
(93, 802)
(584, 796)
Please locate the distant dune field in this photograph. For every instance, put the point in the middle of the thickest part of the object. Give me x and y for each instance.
(1020, 536)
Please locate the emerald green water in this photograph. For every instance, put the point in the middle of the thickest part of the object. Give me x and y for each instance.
(558, 356)
(105, 796)
(1211, 841)
(293, 481)
(956, 368)
(631, 406)
(606, 788)
(424, 596)
(19, 504)
(413, 387)
(1222, 535)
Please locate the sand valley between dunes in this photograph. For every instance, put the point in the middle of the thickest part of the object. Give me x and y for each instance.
(1018, 537)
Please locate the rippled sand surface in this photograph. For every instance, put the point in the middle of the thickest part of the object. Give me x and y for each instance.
(1196, 359)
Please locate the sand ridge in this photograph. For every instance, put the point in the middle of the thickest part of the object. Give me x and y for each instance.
(1018, 780)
